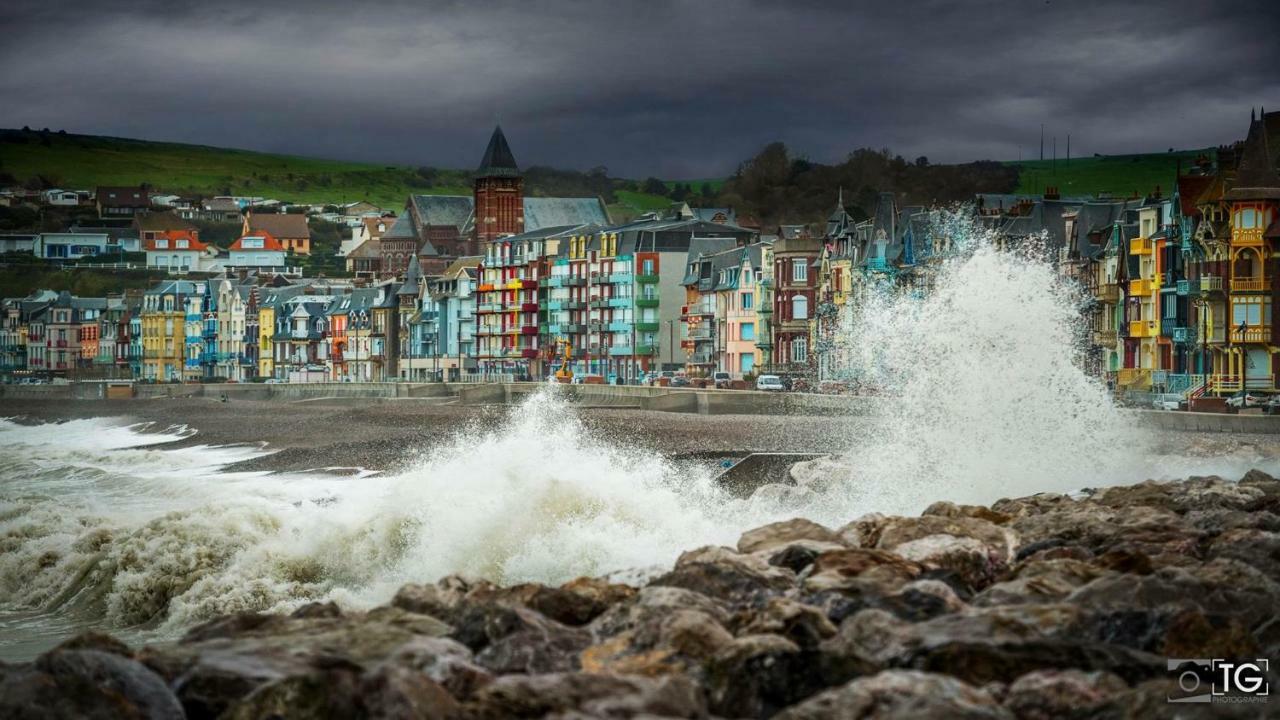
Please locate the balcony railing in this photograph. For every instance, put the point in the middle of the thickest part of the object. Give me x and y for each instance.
(1142, 328)
(1225, 383)
(1133, 376)
(643, 302)
(1140, 246)
(1248, 284)
(1252, 334)
(1210, 284)
(1184, 335)
(1105, 338)
(1109, 293)
(1188, 287)
(648, 279)
(1140, 287)
(1246, 236)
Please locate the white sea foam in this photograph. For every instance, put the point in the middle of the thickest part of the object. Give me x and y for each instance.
(101, 526)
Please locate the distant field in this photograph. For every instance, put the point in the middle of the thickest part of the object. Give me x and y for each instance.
(1119, 175)
(85, 161)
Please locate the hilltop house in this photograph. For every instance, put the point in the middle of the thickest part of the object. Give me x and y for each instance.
(177, 251)
(121, 202)
(260, 250)
(290, 230)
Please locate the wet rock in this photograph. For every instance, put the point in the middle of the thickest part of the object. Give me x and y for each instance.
(804, 625)
(318, 610)
(97, 641)
(343, 692)
(923, 600)
(863, 532)
(1061, 694)
(723, 574)
(949, 509)
(900, 694)
(758, 675)
(778, 535)
(220, 662)
(795, 557)
(977, 551)
(85, 683)
(521, 640)
(857, 571)
(445, 661)
(588, 695)
(1040, 581)
(662, 631)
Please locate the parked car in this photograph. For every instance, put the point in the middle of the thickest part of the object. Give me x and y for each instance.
(276, 381)
(679, 381)
(1169, 401)
(1247, 399)
(721, 379)
(1272, 405)
(771, 383)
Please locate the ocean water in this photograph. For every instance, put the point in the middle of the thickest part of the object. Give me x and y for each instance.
(102, 526)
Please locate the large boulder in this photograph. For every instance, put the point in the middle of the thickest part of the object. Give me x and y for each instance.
(726, 575)
(65, 683)
(587, 695)
(1061, 694)
(661, 631)
(976, 551)
(905, 694)
(779, 535)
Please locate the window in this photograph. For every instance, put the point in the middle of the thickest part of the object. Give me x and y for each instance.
(746, 363)
(648, 267)
(748, 331)
(747, 301)
(800, 350)
(799, 308)
(1248, 218)
(799, 271)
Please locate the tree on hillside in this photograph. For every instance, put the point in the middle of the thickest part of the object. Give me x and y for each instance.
(654, 186)
(706, 191)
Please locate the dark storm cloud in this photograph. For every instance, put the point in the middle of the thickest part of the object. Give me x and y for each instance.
(678, 89)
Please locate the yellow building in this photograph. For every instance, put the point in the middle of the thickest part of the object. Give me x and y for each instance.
(266, 328)
(164, 330)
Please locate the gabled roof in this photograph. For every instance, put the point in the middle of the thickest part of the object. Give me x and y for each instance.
(269, 242)
(442, 210)
(281, 226)
(1190, 188)
(540, 212)
(371, 248)
(172, 237)
(498, 160)
(412, 277)
(152, 221)
(130, 197)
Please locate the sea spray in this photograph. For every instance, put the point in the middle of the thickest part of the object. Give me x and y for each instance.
(983, 394)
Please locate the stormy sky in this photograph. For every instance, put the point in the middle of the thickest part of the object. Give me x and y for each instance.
(674, 89)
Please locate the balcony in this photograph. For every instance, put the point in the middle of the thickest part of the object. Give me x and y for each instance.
(1108, 293)
(488, 330)
(1252, 334)
(1248, 284)
(620, 278)
(529, 307)
(647, 302)
(1131, 377)
(556, 281)
(646, 327)
(701, 359)
(1250, 236)
(1209, 284)
(1142, 328)
(528, 329)
(619, 326)
(1140, 246)
(765, 309)
(647, 349)
(521, 284)
(647, 279)
(488, 308)
(616, 350)
(566, 329)
(486, 287)
(564, 305)
(1140, 287)
(1188, 287)
(1184, 335)
(1105, 338)
(1225, 383)
(529, 353)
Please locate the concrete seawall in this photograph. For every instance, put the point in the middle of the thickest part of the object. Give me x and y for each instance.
(659, 399)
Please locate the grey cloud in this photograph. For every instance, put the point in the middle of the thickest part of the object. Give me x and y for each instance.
(679, 89)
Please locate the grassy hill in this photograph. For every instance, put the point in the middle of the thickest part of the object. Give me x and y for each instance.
(85, 161)
(1119, 175)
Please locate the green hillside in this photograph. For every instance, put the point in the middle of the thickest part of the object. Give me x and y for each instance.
(86, 161)
(1119, 175)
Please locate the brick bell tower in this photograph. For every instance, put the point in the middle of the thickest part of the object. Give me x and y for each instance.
(499, 193)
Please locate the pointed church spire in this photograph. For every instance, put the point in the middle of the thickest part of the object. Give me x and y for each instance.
(498, 160)
(840, 198)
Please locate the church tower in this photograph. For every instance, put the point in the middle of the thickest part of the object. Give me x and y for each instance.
(499, 193)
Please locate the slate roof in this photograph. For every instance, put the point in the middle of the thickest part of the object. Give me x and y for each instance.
(412, 277)
(440, 210)
(709, 214)
(498, 160)
(161, 221)
(1256, 176)
(128, 197)
(540, 212)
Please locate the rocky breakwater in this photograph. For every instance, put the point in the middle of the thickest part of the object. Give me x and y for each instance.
(1039, 607)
